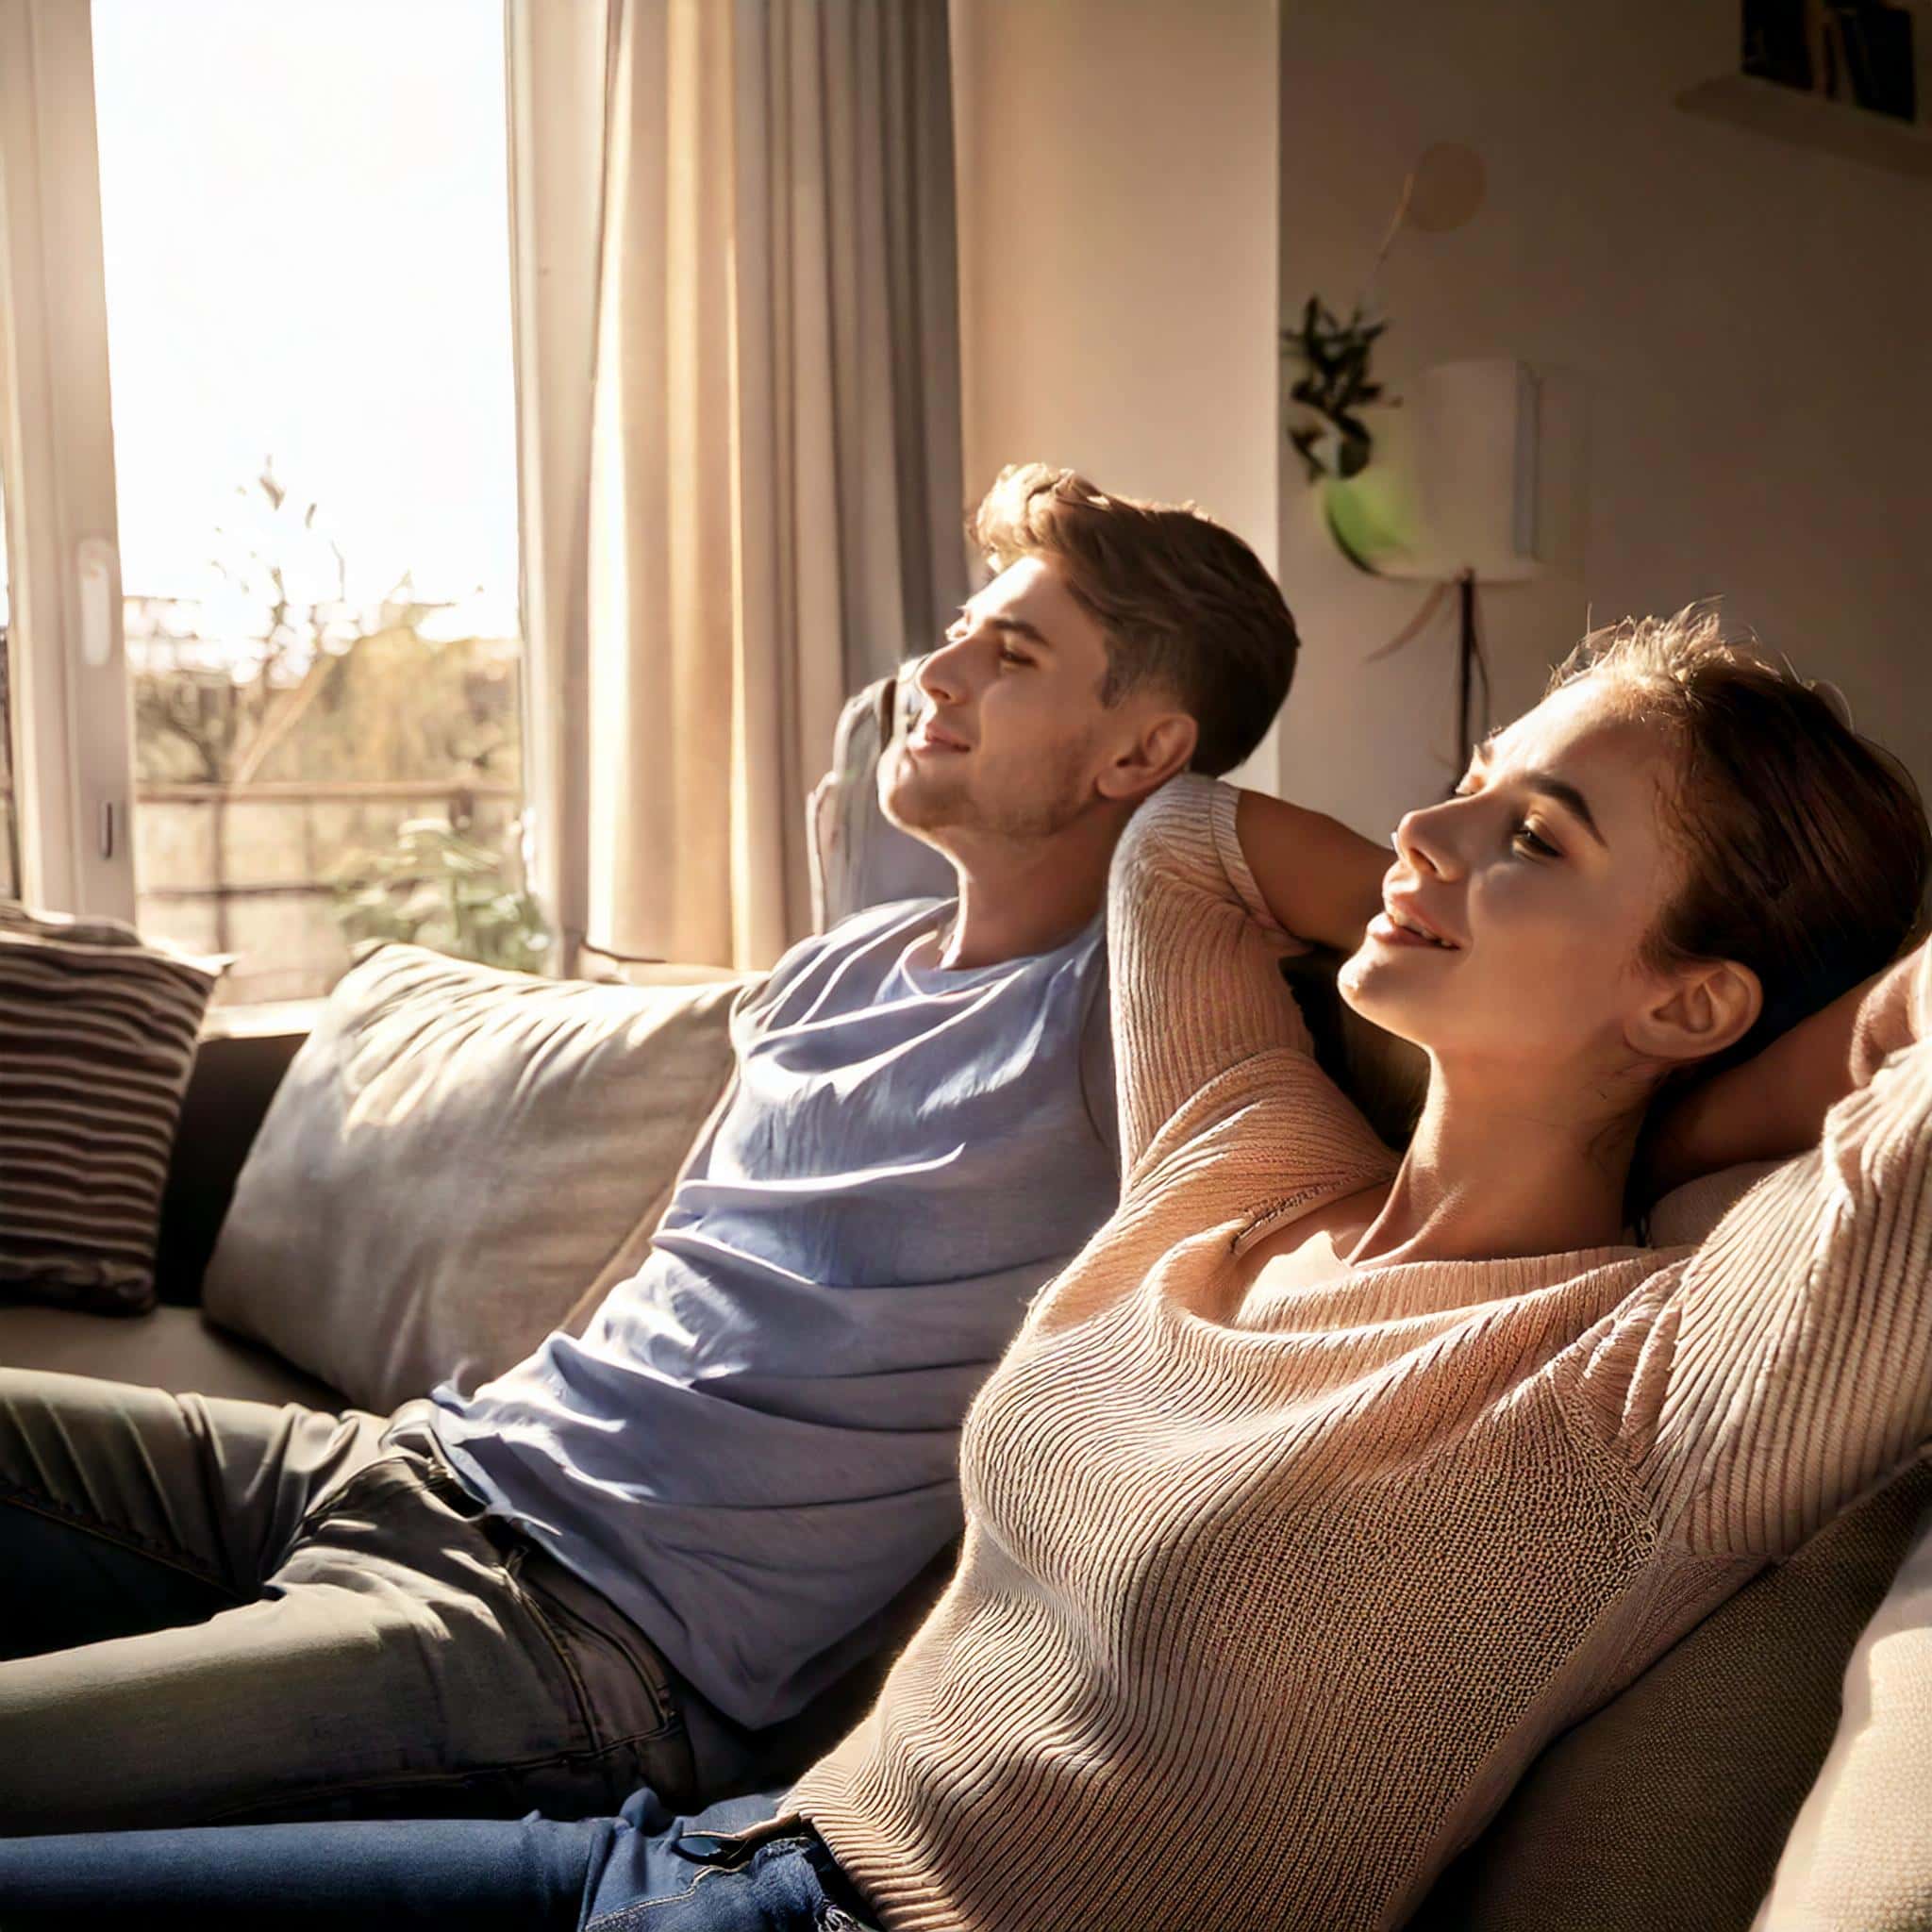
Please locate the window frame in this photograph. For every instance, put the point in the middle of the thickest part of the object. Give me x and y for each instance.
(71, 709)
(72, 730)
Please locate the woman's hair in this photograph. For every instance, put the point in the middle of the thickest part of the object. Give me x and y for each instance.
(1182, 601)
(1805, 845)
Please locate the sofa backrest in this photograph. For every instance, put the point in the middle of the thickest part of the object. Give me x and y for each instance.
(236, 1068)
(1670, 1806)
(859, 856)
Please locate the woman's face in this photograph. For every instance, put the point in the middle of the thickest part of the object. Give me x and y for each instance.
(1539, 880)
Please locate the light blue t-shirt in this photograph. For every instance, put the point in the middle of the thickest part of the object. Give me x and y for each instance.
(753, 1447)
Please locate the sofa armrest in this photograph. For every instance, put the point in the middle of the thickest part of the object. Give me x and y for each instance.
(239, 1062)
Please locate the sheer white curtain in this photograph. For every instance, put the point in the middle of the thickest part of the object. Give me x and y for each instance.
(738, 382)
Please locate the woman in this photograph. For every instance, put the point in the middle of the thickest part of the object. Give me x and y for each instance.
(1320, 1491)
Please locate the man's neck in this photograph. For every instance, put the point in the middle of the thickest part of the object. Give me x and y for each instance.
(1020, 897)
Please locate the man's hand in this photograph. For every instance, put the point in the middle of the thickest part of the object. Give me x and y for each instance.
(1322, 881)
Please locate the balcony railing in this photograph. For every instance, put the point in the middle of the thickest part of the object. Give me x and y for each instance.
(254, 870)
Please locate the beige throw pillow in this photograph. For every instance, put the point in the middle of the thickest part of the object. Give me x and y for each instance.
(452, 1159)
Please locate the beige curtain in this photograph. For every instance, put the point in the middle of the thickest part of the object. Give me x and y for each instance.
(739, 408)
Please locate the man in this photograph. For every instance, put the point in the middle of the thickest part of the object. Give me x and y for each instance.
(626, 1558)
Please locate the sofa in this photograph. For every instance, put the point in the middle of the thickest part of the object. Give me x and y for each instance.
(671, 1024)
(316, 1144)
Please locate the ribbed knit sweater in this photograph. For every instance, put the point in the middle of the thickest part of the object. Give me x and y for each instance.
(1267, 1598)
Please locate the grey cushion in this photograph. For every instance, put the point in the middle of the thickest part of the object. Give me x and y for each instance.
(859, 858)
(453, 1160)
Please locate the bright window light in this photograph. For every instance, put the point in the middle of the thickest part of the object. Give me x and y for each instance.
(305, 222)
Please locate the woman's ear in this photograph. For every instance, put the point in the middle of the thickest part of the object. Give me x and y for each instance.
(1164, 745)
(1705, 1008)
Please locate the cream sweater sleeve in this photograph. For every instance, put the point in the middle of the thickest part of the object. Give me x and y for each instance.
(1207, 1035)
(1788, 1365)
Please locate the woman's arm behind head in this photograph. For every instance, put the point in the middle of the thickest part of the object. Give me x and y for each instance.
(1773, 1104)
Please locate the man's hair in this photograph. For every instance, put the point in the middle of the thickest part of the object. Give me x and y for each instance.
(1805, 845)
(1181, 602)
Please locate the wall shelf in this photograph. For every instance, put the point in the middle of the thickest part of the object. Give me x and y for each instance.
(1853, 134)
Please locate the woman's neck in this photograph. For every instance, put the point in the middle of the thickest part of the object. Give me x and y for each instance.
(1495, 1174)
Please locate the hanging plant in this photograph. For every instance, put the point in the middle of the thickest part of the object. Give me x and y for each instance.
(1336, 385)
(1441, 192)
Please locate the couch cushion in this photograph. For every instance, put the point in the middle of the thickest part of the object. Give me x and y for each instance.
(450, 1161)
(1860, 1854)
(171, 1348)
(860, 857)
(1667, 1810)
(96, 1037)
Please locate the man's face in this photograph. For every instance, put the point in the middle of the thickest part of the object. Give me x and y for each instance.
(1010, 735)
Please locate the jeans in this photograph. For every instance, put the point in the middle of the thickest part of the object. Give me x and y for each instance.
(741, 1866)
(215, 1611)
(733, 1867)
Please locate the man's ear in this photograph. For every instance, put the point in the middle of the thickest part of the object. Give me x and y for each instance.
(1705, 1008)
(1164, 745)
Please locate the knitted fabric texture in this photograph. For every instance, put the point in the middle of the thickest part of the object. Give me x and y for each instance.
(1268, 1598)
(1668, 1809)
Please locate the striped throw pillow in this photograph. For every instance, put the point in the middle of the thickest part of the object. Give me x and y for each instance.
(97, 1031)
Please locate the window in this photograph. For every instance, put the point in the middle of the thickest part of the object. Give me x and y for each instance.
(9, 822)
(305, 234)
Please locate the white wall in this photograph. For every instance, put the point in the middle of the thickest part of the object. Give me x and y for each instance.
(1750, 321)
(1118, 228)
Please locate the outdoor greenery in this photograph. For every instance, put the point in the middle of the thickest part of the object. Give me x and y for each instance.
(437, 888)
(277, 678)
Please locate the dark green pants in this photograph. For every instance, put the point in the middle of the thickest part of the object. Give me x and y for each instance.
(215, 1611)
